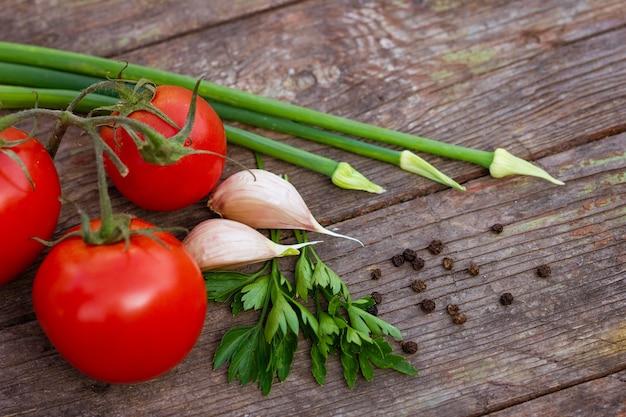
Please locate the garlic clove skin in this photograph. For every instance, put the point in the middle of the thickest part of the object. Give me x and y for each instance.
(227, 244)
(263, 200)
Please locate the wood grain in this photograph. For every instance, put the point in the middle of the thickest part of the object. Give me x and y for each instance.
(545, 80)
(107, 27)
(603, 396)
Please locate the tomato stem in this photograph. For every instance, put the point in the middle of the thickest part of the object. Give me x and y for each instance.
(106, 211)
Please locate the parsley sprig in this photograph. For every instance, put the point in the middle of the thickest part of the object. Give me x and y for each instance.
(335, 324)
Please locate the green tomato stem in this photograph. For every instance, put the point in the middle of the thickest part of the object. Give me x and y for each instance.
(107, 225)
(161, 150)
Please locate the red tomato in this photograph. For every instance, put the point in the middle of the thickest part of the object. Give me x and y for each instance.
(119, 313)
(25, 211)
(170, 187)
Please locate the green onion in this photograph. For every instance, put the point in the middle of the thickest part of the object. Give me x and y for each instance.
(340, 173)
(34, 76)
(91, 66)
(15, 97)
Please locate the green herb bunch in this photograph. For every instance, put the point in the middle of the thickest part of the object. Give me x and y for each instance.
(337, 325)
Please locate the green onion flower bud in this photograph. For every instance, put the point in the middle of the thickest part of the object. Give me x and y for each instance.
(345, 176)
(410, 162)
(505, 163)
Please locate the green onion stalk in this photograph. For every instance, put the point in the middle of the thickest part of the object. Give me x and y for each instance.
(406, 160)
(500, 162)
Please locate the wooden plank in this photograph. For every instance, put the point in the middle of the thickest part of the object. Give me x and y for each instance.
(513, 352)
(600, 397)
(546, 81)
(109, 27)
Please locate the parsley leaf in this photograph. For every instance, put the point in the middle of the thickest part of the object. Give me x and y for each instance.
(222, 285)
(304, 275)
(254, 294)
(238, 347)
(264, 352)
(282, 316)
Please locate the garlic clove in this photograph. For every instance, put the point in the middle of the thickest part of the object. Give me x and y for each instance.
(264, 200)
(227, 244)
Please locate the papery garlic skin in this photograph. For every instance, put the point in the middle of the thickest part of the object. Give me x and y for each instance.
(264, 200)
(261, 200)
(227, 244)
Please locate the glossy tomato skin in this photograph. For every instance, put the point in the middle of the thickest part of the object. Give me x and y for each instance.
(25, 212)
(170, 187)
(117, 313)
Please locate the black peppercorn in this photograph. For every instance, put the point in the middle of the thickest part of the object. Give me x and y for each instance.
(448, 263)
(544, 271)
(427, 306)
(376, 273)
(418, 285)
(397, 260)
(459, 318)
(377, 297)
(409, 347)
(409, 255)
(373, 310)
(418, 263)
(436, 247)
(497, 228)
(506, 299)
(473, 269)
(452, 309)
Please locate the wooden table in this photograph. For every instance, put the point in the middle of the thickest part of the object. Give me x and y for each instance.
(544, 79)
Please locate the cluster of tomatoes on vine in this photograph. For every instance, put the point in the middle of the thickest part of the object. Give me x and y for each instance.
(120, 299)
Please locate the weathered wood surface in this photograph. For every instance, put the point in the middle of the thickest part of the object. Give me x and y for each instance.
(544, 79)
